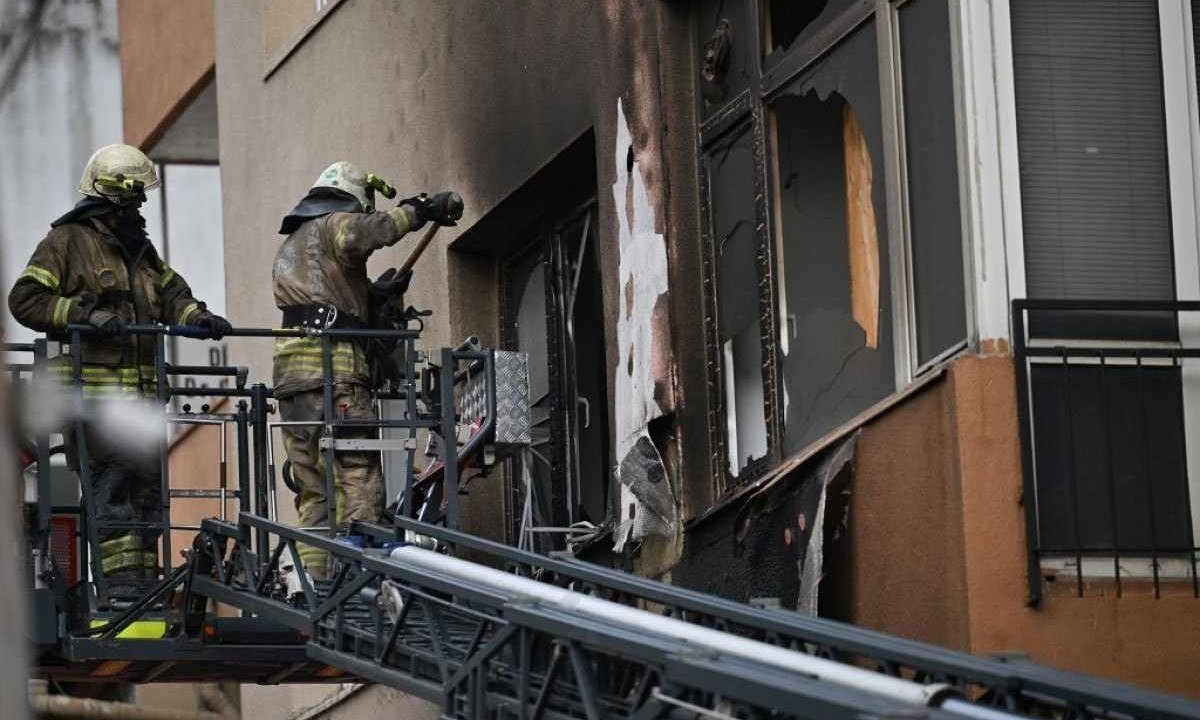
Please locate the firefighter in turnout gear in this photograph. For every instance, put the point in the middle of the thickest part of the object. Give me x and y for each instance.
(97, 267)
(320, 281)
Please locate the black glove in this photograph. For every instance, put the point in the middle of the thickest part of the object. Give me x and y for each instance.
(387, 297)
(109, 324)
(444, 208)
(391, 283)
(217, 326)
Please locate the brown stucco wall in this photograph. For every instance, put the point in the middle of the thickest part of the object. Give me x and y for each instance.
(167, 53)
(936, 547)
(1135, 638)
(903, 570)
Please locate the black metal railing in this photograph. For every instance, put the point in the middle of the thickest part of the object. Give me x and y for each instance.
(1102, 392)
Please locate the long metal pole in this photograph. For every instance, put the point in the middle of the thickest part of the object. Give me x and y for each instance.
(637, 620)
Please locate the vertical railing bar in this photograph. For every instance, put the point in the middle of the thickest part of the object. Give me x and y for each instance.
(410, 410)
(1105, 413)
(161, 398)
(243, 455)
(329, 452)
(45, 506)
(85, 469)
(1074, 488)
(258, 410)
(1028, 483)
(1177, 363)
(1146, 477)
(449, 438)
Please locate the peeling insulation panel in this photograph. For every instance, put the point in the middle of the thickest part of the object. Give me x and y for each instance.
(775, 543)
(647, 504)
(862, 236)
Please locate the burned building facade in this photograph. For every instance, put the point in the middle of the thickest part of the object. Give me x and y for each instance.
(763, 257)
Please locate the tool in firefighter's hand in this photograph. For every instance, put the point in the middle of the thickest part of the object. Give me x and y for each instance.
(381, 186)
(419, 250)
(443, 208)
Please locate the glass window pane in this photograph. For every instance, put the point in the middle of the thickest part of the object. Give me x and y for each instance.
(935, 222)
(1092, 144)
(737, 252)
(835, 328)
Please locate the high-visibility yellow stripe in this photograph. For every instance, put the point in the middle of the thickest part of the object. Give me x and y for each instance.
(62, 311)
(339, 237)
(137, 630)
(129, 541)
(99, 376)
(42, 276)
(188, 311)
(400, 220)
(121, 561)
(167, 277)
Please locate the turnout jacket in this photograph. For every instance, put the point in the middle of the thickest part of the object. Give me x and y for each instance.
(82, 273)
(323, 262)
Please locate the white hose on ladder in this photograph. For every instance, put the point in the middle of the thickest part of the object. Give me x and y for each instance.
(517, 588)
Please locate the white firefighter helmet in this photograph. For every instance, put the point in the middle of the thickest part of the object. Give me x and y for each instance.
(115, 171)
(348, 178)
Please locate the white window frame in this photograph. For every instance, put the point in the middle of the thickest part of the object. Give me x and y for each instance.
(993, 208)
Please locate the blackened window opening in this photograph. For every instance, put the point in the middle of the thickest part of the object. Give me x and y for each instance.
(552, 310)
(835, 352)
(738, 251)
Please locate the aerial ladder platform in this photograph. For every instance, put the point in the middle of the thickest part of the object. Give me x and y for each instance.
(479, 628)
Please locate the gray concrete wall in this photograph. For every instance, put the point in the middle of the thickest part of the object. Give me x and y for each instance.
(477, 96)
(60, 100)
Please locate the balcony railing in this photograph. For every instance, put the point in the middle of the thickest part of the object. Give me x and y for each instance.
(1106, 393)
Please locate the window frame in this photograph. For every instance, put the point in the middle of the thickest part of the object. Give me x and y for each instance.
(1180, 115)
(775, 73)
(546, 242)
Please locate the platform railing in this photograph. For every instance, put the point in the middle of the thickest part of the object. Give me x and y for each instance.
(1102, 391)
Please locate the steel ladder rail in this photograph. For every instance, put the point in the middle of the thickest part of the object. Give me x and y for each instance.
(1020, 680)
(475, 685)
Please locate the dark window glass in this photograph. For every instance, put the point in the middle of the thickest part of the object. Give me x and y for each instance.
(1105, 443)
(934, 218)
(836, 347)
(737, 249)
(1094, 185)
(788, 23)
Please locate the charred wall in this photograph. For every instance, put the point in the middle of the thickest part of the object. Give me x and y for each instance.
(460, 95)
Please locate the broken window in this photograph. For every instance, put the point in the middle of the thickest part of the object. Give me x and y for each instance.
(549, 289)
(835, 347)
(738, 253)
(788, 23)
(724, 56)
(801, 301)
(935, 222)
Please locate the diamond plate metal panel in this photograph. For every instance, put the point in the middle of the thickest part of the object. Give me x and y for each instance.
(512, 399)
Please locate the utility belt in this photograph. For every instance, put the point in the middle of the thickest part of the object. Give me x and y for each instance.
(320, 317)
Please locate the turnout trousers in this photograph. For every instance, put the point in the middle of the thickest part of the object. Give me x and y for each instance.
(358, 475)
